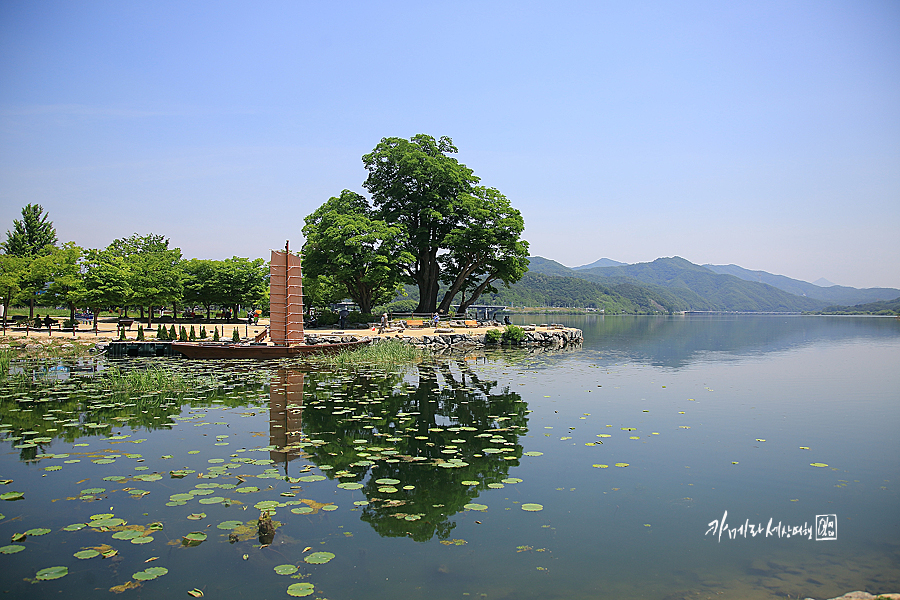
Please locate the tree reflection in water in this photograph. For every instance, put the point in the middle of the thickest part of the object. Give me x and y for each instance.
(410, 442)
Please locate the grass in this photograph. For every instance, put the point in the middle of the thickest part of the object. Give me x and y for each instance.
(152, 379)
(388, 353)
(6, 357)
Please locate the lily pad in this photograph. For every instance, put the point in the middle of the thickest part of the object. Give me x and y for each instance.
(142, 540)
(74, 527)
(286, 569)
(196, 536)
(229, 524)
(301, 589)
(85, 554)
(818, 465)
(12, 496)
(37, 531)
(318, 558)
(532, 453)
(475, 506)
(150, 574)
(128, 534)
(530, 507)
(52, 573)
(11, 549)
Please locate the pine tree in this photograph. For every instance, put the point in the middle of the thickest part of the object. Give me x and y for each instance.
(161, 333)
(235, 337)
(202, 332)
(216, 334)
(140, 333)
(173, 335)
(182, 334)
(192, 336)
(30, 234)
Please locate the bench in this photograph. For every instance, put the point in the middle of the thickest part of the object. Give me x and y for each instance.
(125, 323)
(415, 323)
(471, 323)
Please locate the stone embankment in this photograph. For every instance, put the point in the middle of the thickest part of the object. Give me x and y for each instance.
(438, 339)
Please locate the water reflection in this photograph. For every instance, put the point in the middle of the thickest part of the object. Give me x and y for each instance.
(679, 341)
(420, 447)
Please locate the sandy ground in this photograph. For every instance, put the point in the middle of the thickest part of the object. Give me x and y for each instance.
(108, 331)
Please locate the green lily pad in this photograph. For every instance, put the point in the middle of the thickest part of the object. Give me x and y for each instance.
(150, 574)
(469, 482)
(11, 549)
(74, 527)
(301, 510)
(12, 496)
(142, 540)
(818, 465)
(301, 589)
(532, 453)
(532, 507)
(387, 481)
(475, 506)
(229, 524)
(246, 489)
(350, 485)
(318, 558)
(197, 536)
(37, 531)
(52, 573)
(329, 507)
(286, 569)
(213, 500)
(311, 478)
(85, 554)
(128, 534)
(196, 516)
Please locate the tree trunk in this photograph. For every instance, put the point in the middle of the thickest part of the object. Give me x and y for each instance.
(427, 278)
(465, 304)
(149, 316)
(208, 311)
(31, 308)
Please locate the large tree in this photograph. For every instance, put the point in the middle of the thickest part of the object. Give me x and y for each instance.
(483, 248)
(200, 284)
(241, 282)
(464, 235)
(417, 185)
(154, 270)
(350, 250)
(31, 234)
(105, 281)
(12, 273)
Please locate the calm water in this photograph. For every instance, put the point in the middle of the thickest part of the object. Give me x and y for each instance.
(710, 414)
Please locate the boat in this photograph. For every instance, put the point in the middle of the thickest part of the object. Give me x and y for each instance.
(285, 324)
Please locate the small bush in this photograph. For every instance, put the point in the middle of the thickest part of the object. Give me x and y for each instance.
(140, 333)
(357, 317)
(327, 318)
(513, 334)
(202, 332)
(161, 333)
(173, 335)
(216, 334)
(492, 336)
(192, 336)
(182, 334)
(235, 337)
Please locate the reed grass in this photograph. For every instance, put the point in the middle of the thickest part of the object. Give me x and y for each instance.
(151, 379)
(6, 357)
(388, 353)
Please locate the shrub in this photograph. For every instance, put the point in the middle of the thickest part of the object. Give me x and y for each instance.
(358, 317)
(140, 333)
(161, 333)
(327, 318)
(121, 333)
(235, 337)
(513, 334)
(173, 335)
(73, 323)
(202, 332)
(492, 336)
(182, 334)
(192, 336)
(216, 334)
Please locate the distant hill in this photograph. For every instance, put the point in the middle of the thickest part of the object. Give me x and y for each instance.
(822, 282)
(833, 294)
(691, 287)
(884, 307)
(603, 262)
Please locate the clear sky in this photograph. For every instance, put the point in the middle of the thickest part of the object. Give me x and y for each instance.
(764, 134)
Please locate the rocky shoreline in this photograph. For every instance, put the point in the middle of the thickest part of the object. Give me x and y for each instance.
(450, 338)
(864, 596)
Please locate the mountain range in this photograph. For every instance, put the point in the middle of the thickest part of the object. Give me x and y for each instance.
(674, 284)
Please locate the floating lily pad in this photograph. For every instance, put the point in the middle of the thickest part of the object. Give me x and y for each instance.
(301, 589)
(150, 574)
(621, 464)
(37, 531)
(286, 569)
(229, 524)
(329, 507)
(213, 500)
(12, 496)
(52, 573)
(318, 558)
(128, 534)
(475, 506)
(301, 510)
(142, 540)
(387, 481)
(350, 485)
(11, 549)
(532, 453)
(530, 507)
(818, 465)
(470, 482)
(311, 478)
(85, 554)
(196, 516)
(74, 527)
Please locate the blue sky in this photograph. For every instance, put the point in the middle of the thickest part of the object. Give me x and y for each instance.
(764, 134)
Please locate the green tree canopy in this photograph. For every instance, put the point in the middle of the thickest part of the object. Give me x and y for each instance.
(105, 281)
(351, 252)
(154, 270)
(241, 282)
(31, 234)
(417, 185)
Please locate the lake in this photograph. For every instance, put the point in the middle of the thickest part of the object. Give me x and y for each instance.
(667, 457)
